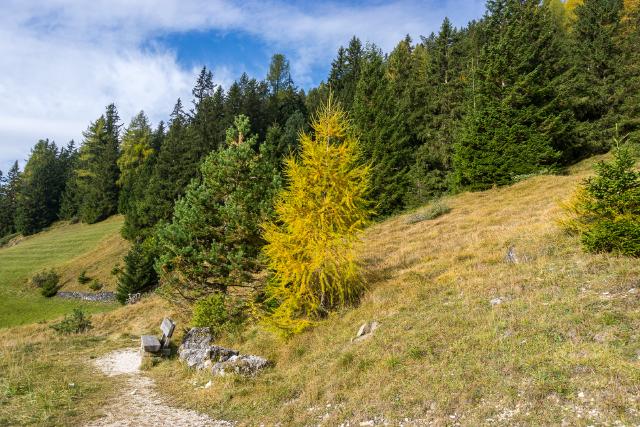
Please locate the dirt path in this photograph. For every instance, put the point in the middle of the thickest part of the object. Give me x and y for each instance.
(139, 404)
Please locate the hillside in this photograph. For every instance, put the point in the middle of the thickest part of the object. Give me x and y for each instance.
(465, 337)
(69, 249)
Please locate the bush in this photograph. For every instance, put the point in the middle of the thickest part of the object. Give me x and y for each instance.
(47, 282)
(433, 211)
(83, 279)
(606, 209)
(217, 312)
(75, 323)
(95, 285)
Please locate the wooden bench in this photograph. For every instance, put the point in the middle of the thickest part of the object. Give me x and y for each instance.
(151, 344)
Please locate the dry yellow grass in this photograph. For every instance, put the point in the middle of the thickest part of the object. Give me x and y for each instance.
(562, 346)
(98, 264)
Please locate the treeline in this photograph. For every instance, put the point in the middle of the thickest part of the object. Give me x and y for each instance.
(527, 89)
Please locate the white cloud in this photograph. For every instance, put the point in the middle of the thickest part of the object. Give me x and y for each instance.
(63, 61)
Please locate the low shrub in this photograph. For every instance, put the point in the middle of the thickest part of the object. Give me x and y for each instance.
(75, 323)
(95, 285)
(605, 211)
(218, 312)
(433, 211)
(83, 279)
(47, 282)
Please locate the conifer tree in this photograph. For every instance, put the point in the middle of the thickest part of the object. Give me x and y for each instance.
(41, 188)
(9, 200)
(345, 73)
(138, 274)
(596, 58)
(98, 171)
(310, 246)
(135, 149)
(385, 137)
(214, 238)
(516, 122)
(628, 76)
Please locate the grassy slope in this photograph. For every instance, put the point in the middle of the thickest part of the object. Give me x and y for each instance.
(68, 249)
(563, 345)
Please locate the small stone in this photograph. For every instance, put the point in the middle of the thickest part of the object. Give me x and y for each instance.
(365, 330)
(496, 301)
(208, 385)
(581, 395)
(367, 423)
(72, 385)
(133, 392)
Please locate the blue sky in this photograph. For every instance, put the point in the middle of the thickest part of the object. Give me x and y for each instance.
(63, 61)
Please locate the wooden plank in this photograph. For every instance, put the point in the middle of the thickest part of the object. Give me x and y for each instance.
(167, 327)
(150, 343)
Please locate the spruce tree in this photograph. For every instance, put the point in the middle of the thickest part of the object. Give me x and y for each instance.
(345, 72)
(41, 188)
(596, 56)
(9, 200)
(386, 139)
(516, 120)
(98, 171)
(138, 274)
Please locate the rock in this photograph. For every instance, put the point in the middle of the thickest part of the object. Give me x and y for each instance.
(366, 330)
(195, 357)
(208, 385)
(496, 301)
(195, 349)
(240, 364)
(511, 257)
(88, 296)
(221, 354)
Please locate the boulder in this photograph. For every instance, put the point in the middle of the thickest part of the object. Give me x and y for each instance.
(195, 349)
(221, 354)
(241, 365)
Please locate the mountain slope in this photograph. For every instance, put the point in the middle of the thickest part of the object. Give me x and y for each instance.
(560, 341)
(465, 337)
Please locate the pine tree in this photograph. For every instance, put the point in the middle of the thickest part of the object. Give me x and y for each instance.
(214, 238)
(98, 171)
(439, 90)
(516, 122)
(310, 247)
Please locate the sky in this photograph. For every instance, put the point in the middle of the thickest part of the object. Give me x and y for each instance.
(63, 61)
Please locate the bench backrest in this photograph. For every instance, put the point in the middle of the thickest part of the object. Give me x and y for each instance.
(167, 327)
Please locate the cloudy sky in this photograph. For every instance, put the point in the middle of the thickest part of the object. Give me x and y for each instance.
(63, 61)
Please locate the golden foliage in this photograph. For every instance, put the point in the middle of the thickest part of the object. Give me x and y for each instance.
(320, 216)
